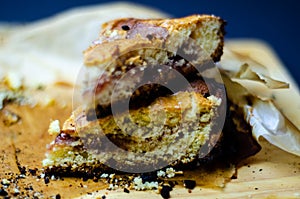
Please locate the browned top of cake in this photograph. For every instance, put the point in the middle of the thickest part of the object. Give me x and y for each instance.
(207, 31)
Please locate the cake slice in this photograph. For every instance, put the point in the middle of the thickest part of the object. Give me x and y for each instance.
(170, 131)
(131, 66)
(136, 61)
(147, 50)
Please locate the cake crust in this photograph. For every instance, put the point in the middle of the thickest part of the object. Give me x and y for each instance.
(161, 31)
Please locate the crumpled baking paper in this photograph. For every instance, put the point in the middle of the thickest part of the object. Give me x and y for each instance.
(250, 86)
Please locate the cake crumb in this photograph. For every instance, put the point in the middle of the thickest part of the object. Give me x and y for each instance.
(16, 191)
(170, 172)
(139, 185)
(161, 173)
(165, 191)
(5, 182)
(189, 184)
(217, 101)
(54, 128)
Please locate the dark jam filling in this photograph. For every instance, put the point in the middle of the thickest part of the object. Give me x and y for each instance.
(147, 93)
(66, 139)
(142, 97)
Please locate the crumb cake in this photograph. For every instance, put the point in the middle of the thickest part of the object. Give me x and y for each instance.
(162, 127)
(79, 149)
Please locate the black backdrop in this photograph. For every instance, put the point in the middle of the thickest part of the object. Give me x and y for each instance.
(275, 22)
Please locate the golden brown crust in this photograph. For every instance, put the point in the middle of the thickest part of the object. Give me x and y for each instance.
(96, 55)
(162, 31)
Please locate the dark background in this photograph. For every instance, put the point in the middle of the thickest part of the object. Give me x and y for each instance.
(275, 22)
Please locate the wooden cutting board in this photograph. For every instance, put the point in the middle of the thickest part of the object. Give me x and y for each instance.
(272, 173)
